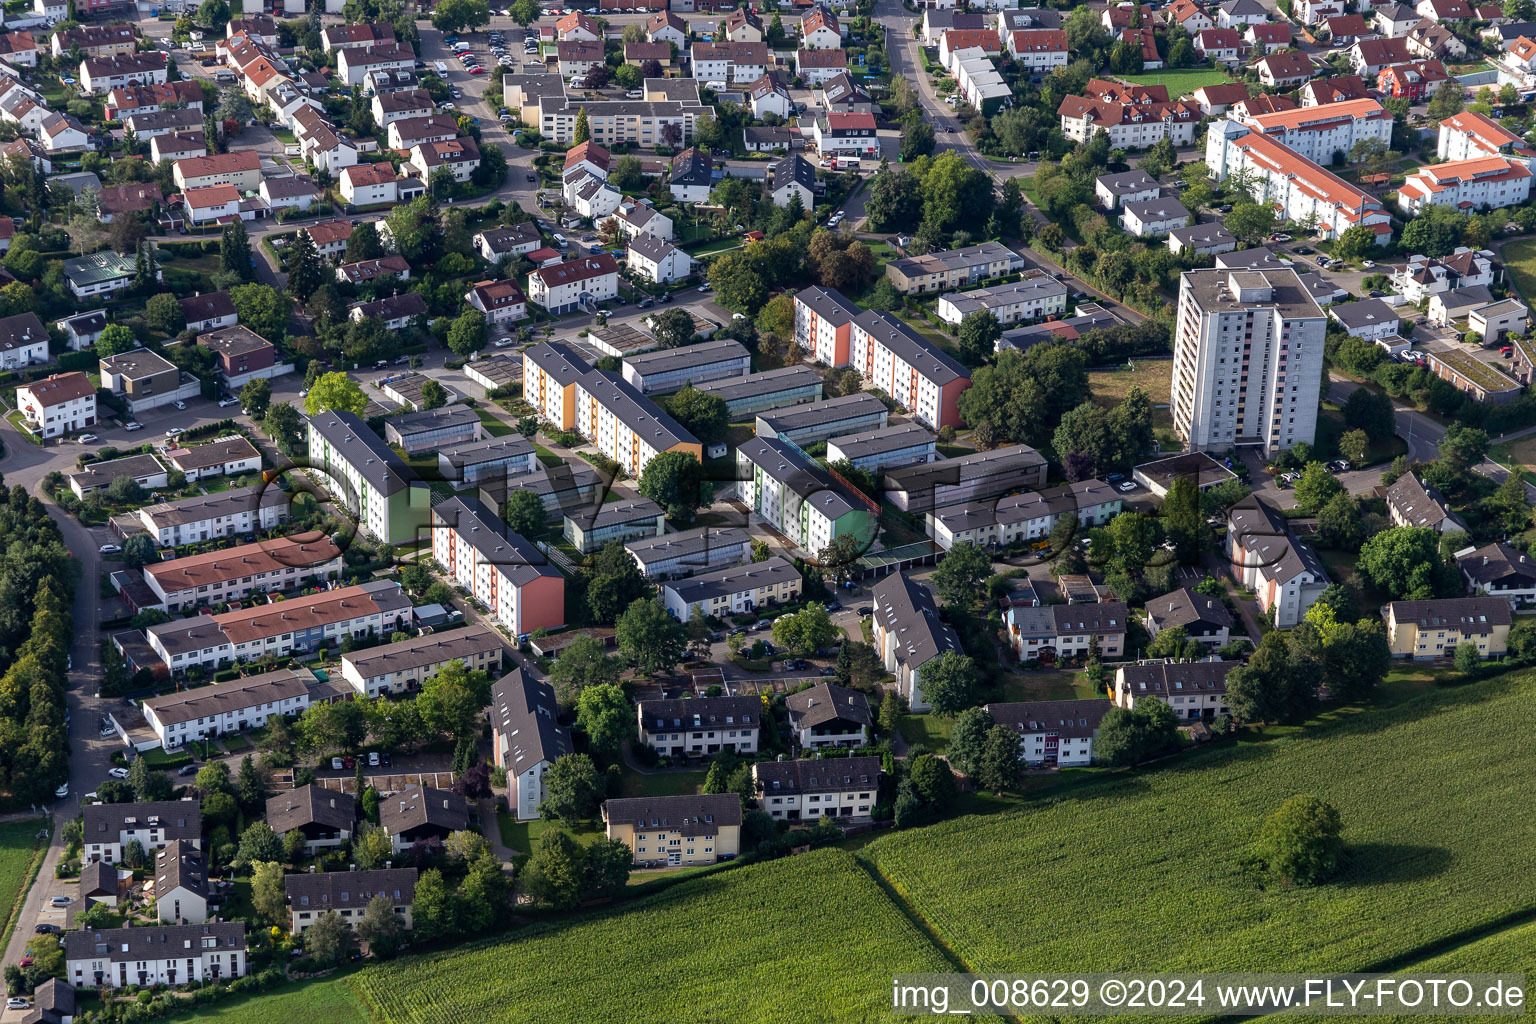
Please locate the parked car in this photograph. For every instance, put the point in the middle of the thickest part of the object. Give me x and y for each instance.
(45, 929)
(17, 1003)
(349, 761)
(175, 431)
(180, 404)
(62, 901)
(335, 764)
(373, 759)
(109, 549)
(187, 769)
(89, 438)
(1125, 486)
(118, 773)
(135, 425)
(226, 402)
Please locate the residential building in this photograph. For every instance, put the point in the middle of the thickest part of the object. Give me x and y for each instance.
(146, 470)
(730, 62)
(403, 666)
(188, 716)
(1414, 82)
(982, 475)
(625, 425)
(590, 529)
(908, 634)
(824, 324)
(843, 135)
(1037, 50)
(1195, 690)
(578, 26)
(1483, 381)
(1317, 133)
(668, 370)
(241, 168)
(1215, 99)
(1153, 217)
(241, 355)
(100, 75)
(374, 483)
(108, 828)
(233, 574)
(797, 497)
(1020, 518)
(1413, 503)
(550, 373)
(818, 67)
(23, 341)
(1126, 187)
(808, 790)
(692, 175)
(82, 329)
(330, 238)
(502, 302)
(807, 424)
(701, 726)
(1065, 631)
(1497, 319)
(1203, 618)
(353, 63)
(1132, 116)
(1198, 468)
(1340, 88)
(517, 240)
(770, 95)
(699, 549)
(1034, 298)
(1423, 630)
(469, 463)
(658, 260)
(100, 273)
(884, 447)
(326, 817)
(420, 814)
(395, 312)
(500, 568)
(1053, 733)
(1499, 570)
(96, 41)
(1470, 135)
(1264, 555)
(156, 955)
(1395, 20)
(299, 624)
(676, 831)
(1423, 277)
(1371, 319)
(209, 311)
(1368, 56)
(666, 27)
(347, 894)
(355, 37)
(733, 590)
(564, 287)
(1206, 239)
(1248, 355)
(373, 184)
(951, 269)
(761, 392)
(827, 715)
(1270, 35)
(459, 156)
(61, 403)
(1488, 182)
(1219, 44)
(410, 132)
(526, 738)
(1285, 70)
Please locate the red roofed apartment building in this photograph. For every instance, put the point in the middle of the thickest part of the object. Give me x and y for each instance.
(1134, 116)
(1321, 91)
(566, 286)
(1317, 133)
(1298, 187)
(1486, 181)
(1038, 49)
(1469, 135)
(1417, 81)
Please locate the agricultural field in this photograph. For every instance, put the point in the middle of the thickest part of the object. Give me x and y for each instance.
(332, 1001)
(1509, 951)
(810, 938)
(16, 842)
(1148, 864)
(1520, 258)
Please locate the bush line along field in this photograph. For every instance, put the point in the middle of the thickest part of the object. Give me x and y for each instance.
(1129, 871)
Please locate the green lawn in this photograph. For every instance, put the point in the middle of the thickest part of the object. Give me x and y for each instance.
(524, 836)
(160, 758)
(1179, 82)
(493, 426)
(1044, 685)
(931, 731)
(1520, 258)
(323, 1001)
(16, 847)
(662, 783)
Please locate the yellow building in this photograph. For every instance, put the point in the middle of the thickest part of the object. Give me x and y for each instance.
(673, 831)
(1435, 629)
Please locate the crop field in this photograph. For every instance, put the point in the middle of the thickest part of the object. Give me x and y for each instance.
(1510, 951)
(1441, 841)
(1520, 258)
(810, 938)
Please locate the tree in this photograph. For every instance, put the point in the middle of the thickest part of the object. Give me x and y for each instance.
(1251, 222)
(556, 874)
(525, 515)
(468, 333)
(1183, 522)
(675, 481)
(968, 739)
(650, 639)
(163, 313)
(364, 243)
(1405, 563)
(1277, 684)
(329, 940)
(1356, 243)
(949, 683)
(1339, 523)
(1301, 843)
(140, 550)
(806, 631)
(453, 16)
(235, 253)
(614, 582)
(977, 333)
(1128, 736)
(1355, 445)
(255, 397)
(335, 390)
(263, 309)
(583, 663)
(607, 867)
(704, 416)
(961, 573)
(1448, 101)
(1316, 487)
(1023, 395)
(525, 12)
(381, 928)
(673, 328)
(583, 130)
(916, 138)
(305, 272)
(267, 891)
(572, 790)
(371, 847)
(450, 701)
(251, 781)
(1463, 447)
(114, 339)
(434, 911)
(603, 713)
(433, 395)
(258, 842)
(1001, 766)
(284, 426)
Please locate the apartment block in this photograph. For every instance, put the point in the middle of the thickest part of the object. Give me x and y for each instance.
(526, 738)
(897, 360)
(701, 726)
(798, 498)
(734, 590)
(187, 716)
(402, 667)
(676, 831)
(500, 568)
(908, 633)
(364, 474)
(1424, 630)
(809, 790)
(1195, 690)
(233, 574)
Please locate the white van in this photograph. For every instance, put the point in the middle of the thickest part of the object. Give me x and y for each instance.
(561, 242)
(442, 68)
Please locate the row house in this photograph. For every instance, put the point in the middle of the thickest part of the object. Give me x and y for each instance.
(410, 132)
(188, 716)
(173, 954)
(1195, 690)
(809, 790)
(958, 42)
(240, 512)
(1014, 302)
(499, 568)
(1488, 182)
(233, 574)
(298, 625)
(700, 726)
(1318, 133)
(1053, 733)
(734, 590)
(402, 667)
(154, 124)
(1061, 631)
(1022, 518)
(1298, 186)
(108, 828)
